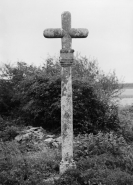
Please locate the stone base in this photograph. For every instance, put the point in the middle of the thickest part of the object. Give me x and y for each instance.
(65, 165)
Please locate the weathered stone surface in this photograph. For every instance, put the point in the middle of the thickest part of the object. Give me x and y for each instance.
(78, 32)
(58, 139)
(66, 33)
(65, 165)
(51, 180)
(49, 140)
(66, 59)
(53, 142)
(50, 136)
(53, 33)
(66, 114)
(22, 137)
(37, 135)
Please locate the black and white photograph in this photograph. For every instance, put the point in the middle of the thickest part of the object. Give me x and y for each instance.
(66, 92)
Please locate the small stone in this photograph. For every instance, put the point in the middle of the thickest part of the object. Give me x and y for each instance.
(50, 136)
(49, 140)
(51, 180)
(58, 139)
(34, 133)
(55, 144)
(18, 138)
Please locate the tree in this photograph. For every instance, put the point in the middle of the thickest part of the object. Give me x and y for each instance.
(38, 91)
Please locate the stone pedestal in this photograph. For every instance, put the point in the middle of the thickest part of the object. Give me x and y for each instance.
(66, 165)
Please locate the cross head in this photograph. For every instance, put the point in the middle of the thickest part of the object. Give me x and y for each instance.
(66, 34)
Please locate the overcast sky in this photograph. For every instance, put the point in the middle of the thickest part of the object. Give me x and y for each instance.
(110, 25)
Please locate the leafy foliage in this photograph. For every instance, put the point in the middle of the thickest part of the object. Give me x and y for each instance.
(6, 93)
(35, 95)
(33, 168)
(9, 133)
(100, 159)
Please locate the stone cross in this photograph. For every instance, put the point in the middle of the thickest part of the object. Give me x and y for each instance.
(66, 60)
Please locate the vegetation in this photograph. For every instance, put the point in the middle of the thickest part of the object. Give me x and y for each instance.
(30, 95)
(26, 168)
(102, 158)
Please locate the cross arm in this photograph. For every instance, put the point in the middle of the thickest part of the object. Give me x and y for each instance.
(59, 33)
(53, 33)
(78, 32)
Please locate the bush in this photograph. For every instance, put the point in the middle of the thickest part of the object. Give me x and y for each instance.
(101, 143)
(9, 133)
(107, 150)
(92, 113)
(107, 176)
(6, 94)
(95, 176)
(104, 158)
(36, 95)
(31, 168)
(70, 177)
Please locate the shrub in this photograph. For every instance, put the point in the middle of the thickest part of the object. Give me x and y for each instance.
(70, 177)
(104, 158)
(9, 133)
(36, 95)
(31, 168)
(95, 176)
(108, 150)
(107, 176)
(101, 143)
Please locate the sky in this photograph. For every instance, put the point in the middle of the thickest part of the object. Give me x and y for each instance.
(109, 22)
